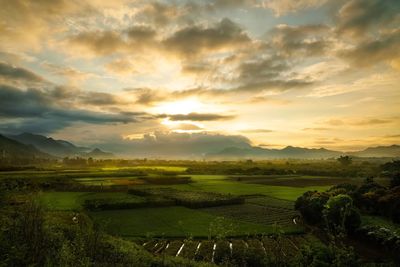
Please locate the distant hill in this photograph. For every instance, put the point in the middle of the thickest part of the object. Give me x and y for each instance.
(261, 153)
(98, 154)
(59, 148)
(378, 152)
(217, 148)
(13, 149)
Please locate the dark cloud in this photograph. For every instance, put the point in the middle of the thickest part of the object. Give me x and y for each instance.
(161, 14)
(197, 67)
(99, 99)
(360, 122)
(360, 17)
(100, 42)
(147, 96)
(141, 33)
(16, 103)
(272, 85)
(193, 40)
(373, 51)
(130, 40)
(371, 122)
(17, 74)
(23, 107)
(223, 4)
(197, 117)
(261, 69)
(304, 40)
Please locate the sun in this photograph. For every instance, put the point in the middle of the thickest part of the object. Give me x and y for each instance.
(180, 107)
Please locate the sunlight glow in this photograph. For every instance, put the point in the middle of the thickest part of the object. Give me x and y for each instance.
(180, 107)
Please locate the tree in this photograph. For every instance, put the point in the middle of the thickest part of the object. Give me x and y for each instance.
(311, 205)
(345, 160)
(340, 214)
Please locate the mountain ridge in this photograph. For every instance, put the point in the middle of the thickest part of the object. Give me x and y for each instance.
(46, 146)
(10, 148)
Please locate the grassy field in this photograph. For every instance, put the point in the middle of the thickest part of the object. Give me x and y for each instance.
(74, 200)
(266, 204)
(225, 185)
(144, 167)
(176, 222)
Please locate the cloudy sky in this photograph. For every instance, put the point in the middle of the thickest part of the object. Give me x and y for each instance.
(310, 73)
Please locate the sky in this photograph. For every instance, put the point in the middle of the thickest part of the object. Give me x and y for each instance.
(269, 73)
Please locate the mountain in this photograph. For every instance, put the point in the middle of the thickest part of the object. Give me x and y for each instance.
(200, 146)
(263, 153)
(378, 152)
(12, 149)
(59, 148)
(300, 152)
(98, 154)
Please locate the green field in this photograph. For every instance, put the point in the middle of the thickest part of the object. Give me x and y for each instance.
(65, 201)
(175, 222)
(144, 167)
(224, 184)
(266, 204)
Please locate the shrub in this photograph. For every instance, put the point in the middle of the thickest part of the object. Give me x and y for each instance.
(319, 255)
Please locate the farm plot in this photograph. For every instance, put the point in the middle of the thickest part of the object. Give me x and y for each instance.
(190, 199)
(224, 185)
(148, 168)
(238, 251)
(189, 249)
(76, 200)
(266, 215)
(271, 202)
(293, 180)
(135, 180)
(172, 222)
(129, 202)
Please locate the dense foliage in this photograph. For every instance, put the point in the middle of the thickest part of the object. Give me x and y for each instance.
(336, 211)
(30, 238)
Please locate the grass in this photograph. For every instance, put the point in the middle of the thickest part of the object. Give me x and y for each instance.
(65, 201)
(174, 222)
(62, 200)
(224, 185)
(145, 167)
(255, 214)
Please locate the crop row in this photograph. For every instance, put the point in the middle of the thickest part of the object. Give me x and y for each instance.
(127, 203)
(190, 199)
(254, 213)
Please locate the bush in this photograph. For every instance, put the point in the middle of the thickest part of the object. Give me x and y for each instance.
(319, 255)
